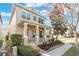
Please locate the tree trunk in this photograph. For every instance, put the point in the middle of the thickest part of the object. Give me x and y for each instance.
(76, 41)
(56, 37)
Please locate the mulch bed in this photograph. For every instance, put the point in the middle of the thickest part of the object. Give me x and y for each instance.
(45, 46)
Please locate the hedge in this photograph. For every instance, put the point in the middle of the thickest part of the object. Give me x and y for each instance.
(27, 51)
(17, 39)
(1, 42)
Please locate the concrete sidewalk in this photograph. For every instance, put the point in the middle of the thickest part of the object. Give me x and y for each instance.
(58, 51)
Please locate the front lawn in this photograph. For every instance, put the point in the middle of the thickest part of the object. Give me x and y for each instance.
(71, 52)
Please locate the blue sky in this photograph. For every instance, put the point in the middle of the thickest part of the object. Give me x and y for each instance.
(5, 10)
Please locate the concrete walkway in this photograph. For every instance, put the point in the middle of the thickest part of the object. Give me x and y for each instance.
(58, 51)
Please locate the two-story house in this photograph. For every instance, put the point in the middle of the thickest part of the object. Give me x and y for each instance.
(29, 23)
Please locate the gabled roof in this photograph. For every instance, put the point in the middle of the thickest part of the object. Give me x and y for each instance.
(1, 19)
(24, 8)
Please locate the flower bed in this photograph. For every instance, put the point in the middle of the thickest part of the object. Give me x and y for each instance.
(46, 46)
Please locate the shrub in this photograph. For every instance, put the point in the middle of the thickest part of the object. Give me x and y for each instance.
(1, 42)
(17, 39)
(58, 42)
(8, 43)
(7, 37)
(27, 51)
(70, 36)
(9, 47)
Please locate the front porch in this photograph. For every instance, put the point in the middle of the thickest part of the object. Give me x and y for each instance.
(34, 34)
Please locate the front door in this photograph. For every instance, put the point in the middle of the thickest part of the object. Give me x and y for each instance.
(29, 35)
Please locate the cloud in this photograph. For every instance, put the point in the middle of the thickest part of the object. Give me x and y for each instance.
(44, 12)
(5, 19)
(5, 22)
(5, 14)
(34, 4)
(5, 25)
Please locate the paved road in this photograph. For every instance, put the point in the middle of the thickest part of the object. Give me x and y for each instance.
(58, 51)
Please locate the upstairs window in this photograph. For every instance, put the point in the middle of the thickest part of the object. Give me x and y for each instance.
(40, 20)
(24, 15)
(28, 16)
(34, 18)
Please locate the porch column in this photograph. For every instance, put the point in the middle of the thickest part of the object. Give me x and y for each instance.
(45, 33)
(37, 34)
(25, 35)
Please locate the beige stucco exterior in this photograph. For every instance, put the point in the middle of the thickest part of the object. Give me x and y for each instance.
(28, 28)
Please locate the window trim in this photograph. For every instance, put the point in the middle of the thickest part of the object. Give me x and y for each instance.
(28, 16)
(34, 18)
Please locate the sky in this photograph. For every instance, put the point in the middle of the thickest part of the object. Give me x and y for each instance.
(5, 10)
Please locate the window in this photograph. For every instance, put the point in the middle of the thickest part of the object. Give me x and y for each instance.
(28, 16)
(40, 20)
(24, 15)
(34, 18)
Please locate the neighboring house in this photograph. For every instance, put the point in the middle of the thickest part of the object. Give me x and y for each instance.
(68, 32)
(1, 27)
(29, 23)
(48, 32)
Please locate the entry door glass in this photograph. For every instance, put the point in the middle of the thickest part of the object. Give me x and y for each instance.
(33, 33)
(27, 32)
(41, 34)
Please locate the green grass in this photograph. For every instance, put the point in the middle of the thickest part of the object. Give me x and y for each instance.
(71, 52)
(54, 47)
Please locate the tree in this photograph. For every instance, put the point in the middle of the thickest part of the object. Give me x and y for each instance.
(59, 26)
(72, 24)
(74, 11)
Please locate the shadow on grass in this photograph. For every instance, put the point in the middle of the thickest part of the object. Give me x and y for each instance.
(72, 52)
